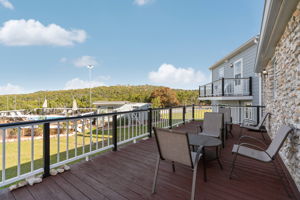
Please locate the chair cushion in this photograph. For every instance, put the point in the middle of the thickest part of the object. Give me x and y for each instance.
(251, 153)
(211, 134)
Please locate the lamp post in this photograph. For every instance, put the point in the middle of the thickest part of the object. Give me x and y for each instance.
(90, 67)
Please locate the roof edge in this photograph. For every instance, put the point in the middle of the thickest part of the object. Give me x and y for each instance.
(277, 14)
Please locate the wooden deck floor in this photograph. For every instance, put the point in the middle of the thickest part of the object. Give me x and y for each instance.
(128, 173)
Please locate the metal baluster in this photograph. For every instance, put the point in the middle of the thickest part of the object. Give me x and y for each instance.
(161, 118)
(103, 122)
(83, 136)
(75, 138)
(118, 127)
(32, 149)
(108, 131)
(3, 155)
(166, 119)
(154, 118)
(139, 122)
(144, 121)
(19, 152)
(127, 127)
(58, 142)
(136, 126)
(67, 145)
(91, 134)
(97, 141)
(132, 125)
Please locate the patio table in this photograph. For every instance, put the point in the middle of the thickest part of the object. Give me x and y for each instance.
(206, 141)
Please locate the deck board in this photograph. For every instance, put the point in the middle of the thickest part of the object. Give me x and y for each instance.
(128, 174)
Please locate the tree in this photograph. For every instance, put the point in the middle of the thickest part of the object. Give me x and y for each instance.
(156, 102)
(166, 96)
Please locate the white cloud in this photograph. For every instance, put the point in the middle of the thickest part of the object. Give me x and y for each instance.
(84, 61)
(31, 32)
(142, 2)
(11, 89)
(7, 4)
(77, 83)
(171, 76)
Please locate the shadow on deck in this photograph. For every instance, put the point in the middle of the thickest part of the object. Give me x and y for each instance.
(128, 174)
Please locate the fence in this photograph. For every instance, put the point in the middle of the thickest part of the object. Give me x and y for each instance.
(227, 87)
(65, 140)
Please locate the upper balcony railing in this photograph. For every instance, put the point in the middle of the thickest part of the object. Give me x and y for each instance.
(227, 87)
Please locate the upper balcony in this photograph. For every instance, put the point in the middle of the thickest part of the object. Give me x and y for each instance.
(227, 89)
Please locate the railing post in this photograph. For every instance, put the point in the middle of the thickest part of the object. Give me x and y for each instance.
(115, 132)
(193, 112)
(223, 80)
(257, 115)
(250, 86)
(150, 122)
(183, 114)
(170, 118)
(46, 149)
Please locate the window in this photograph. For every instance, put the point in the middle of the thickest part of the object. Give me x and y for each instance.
(221, 72)
(238, 70)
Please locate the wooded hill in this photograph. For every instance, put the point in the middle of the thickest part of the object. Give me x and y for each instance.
(64, 98)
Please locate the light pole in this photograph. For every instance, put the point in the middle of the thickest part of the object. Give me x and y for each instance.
(90, 67)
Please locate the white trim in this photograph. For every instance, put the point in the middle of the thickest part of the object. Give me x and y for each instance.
(227, 98)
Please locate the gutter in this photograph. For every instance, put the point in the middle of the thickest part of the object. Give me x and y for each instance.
(277, 14)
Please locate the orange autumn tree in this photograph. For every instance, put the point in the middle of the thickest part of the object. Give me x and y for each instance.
(166, 96)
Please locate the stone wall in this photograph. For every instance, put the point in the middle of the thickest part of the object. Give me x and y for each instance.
(282, 93)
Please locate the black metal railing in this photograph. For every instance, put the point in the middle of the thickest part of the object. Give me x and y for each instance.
(68, 139)
(227, 87)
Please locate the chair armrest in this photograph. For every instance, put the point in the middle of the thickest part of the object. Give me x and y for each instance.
(253, 138)
(252, 145)
(198, 154)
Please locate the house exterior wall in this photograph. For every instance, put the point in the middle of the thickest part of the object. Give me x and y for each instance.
(282, 93)
(248, 56)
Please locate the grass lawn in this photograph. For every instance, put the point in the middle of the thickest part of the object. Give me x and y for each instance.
(199, 114)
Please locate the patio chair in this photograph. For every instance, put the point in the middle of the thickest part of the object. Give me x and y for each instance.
(213, 125)
(249, 125)
(174, 146)
(258, 153)
(227, 120)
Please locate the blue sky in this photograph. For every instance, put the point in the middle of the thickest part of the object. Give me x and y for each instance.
(45, 45)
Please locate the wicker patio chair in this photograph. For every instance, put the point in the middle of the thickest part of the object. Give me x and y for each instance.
(173, 146)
